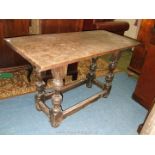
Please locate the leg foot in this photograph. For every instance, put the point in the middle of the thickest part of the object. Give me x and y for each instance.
(56, 115)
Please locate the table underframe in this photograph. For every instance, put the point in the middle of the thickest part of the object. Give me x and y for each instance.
(56, 114)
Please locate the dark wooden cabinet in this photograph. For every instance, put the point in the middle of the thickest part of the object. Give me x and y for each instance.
(12, 28)
(145, 89)
(139, 53)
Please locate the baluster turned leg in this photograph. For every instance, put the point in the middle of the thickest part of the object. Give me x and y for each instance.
(91, 74)
(56, 115)
(109, 77)
(40, 91)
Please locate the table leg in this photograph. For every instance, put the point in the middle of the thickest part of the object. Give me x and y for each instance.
(112, 66)
(91, 74)
(40, 91)
(56, 114)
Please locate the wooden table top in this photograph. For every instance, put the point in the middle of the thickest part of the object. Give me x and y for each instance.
(48, 51)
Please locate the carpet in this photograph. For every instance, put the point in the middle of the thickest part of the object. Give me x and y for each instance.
(118, 114)
(19, 85)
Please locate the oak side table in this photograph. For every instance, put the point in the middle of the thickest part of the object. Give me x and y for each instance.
(55, 51)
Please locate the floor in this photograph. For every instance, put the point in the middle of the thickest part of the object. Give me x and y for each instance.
(119, 114)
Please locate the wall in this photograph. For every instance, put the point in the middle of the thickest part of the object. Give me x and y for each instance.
(35, 26)
(133, 30)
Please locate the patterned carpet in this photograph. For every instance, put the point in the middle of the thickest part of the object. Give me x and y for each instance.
(19, 85)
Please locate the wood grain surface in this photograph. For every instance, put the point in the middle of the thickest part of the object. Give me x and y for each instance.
(48, 51)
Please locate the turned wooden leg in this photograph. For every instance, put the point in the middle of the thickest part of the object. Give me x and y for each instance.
(56, 114)
(91, 74)
(109, 77)
(40, 96)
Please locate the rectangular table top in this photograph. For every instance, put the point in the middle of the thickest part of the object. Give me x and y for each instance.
(47, 51)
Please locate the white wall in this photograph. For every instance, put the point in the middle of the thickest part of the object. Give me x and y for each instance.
(133, 29)
(35, 27)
